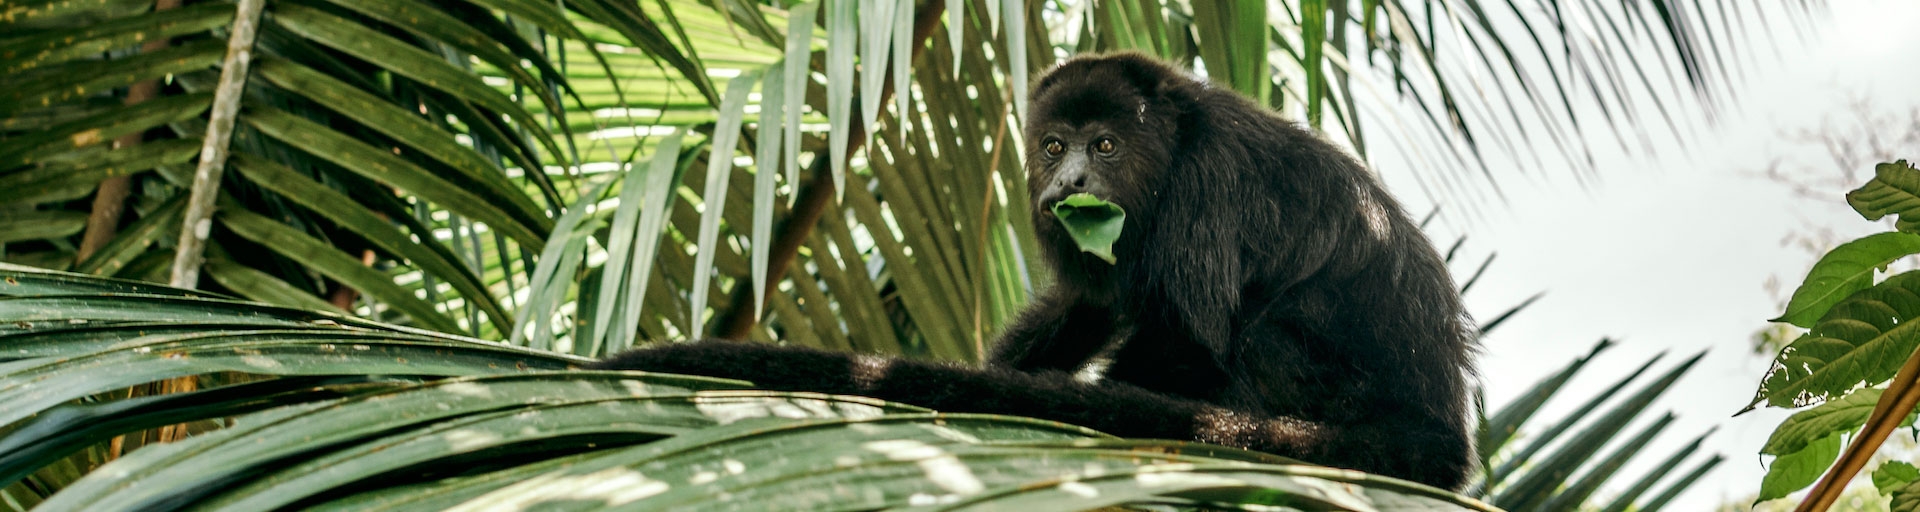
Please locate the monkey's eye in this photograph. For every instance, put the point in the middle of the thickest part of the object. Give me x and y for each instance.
(1104, 146)
(1054, 148)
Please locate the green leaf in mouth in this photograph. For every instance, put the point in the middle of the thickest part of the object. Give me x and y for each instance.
(1093, 223)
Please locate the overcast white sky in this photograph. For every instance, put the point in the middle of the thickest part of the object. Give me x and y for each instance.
(1670, 252)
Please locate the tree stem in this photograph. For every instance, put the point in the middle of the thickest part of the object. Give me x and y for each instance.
(198, 223)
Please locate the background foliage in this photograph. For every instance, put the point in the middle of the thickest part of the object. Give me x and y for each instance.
(1846, 366)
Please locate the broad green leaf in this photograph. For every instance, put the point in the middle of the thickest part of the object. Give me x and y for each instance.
(77, 339)
(1894, 475)
(1291, 487)
(328, 261)
(1862, 339)
(1843, 416)
(1093, 223)
(1797, 470)
(1844, 270)
(1894, 190)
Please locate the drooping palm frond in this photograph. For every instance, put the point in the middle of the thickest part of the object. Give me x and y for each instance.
(333, 413)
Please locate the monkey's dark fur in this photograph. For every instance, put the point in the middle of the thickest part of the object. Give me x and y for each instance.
(1269, 293)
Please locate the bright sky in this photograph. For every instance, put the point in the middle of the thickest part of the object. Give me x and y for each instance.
(1670, 252)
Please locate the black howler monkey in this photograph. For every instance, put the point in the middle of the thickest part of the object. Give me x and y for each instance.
(1268, 293)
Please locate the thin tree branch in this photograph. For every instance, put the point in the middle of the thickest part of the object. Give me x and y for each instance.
(198, 224)
(814, 198)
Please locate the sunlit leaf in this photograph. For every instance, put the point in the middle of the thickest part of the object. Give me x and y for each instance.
(1862, 339)
(1844, 270)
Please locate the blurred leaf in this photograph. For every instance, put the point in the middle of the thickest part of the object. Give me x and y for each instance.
(1894, 475)
(1681, 484)
(41, 225)
(1501, 427)
(1539, 483)
(726, 137)
(1894, 190)
(1625, 499)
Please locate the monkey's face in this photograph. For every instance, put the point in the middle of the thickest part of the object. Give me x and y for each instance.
(1098, 127)
(1071, 160)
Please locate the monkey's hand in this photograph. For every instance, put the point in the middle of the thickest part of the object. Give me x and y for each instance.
(1431, 454)
(767, 366)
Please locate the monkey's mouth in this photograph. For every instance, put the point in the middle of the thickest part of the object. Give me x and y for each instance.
(1093, 223)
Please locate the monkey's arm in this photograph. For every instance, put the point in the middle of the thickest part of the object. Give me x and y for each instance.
(1115, 408)
(1056, 332)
